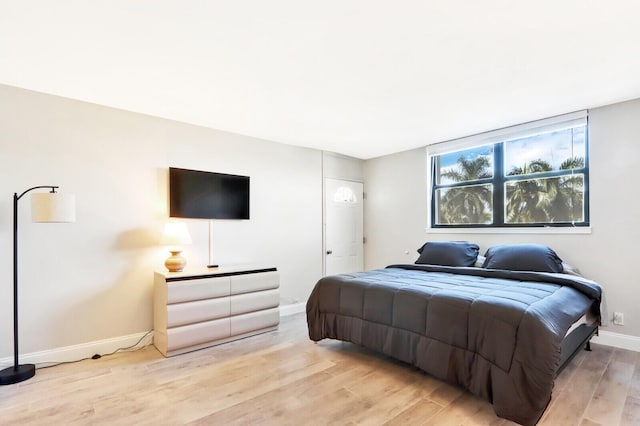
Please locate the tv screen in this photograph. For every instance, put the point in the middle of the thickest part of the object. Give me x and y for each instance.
(197, 194)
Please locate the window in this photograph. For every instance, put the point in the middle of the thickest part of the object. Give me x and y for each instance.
(532, 175)
(344, 195)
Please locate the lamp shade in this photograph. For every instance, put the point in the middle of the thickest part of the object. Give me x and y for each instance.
(176, 234)
(53, 207)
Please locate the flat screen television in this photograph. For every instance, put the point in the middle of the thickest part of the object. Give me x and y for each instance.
(197, 194)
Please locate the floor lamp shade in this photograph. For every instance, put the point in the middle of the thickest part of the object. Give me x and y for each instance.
(53, 207)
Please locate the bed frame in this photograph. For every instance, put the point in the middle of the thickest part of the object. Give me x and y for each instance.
(574, 342)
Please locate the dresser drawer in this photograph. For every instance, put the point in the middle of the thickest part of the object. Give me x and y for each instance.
(249, 302)
(254, 282)
(255, 321)
(197, 289)
(195, 334)
(198, 311)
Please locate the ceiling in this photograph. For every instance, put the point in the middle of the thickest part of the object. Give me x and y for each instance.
(363, 78)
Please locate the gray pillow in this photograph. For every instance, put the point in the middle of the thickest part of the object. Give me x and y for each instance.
(450, 253)
(523, 257)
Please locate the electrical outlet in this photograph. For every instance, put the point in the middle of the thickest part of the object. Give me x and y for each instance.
(618, 318)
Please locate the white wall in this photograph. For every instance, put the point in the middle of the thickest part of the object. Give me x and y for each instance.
(338, 166)
(92, 280)
(396, 212)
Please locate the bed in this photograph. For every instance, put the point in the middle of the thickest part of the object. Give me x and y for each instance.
(502, 327)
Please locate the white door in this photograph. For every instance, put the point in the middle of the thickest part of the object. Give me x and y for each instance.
(343, 226)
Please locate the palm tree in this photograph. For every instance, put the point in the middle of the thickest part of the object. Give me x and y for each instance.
(527, 199)
(469, 204)
(477, 168)
(556, 199)
(571, 192)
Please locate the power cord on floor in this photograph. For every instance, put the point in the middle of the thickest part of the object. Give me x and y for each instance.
(98, 356)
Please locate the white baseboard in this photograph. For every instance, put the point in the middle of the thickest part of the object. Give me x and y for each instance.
(294, 308)
(617, 340)
(84, 350)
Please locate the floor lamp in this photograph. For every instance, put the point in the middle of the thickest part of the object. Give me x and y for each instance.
(45, 207)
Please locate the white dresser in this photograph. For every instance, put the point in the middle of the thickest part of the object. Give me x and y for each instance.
(196, 309)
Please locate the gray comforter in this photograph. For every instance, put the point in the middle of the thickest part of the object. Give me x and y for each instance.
(497, 333)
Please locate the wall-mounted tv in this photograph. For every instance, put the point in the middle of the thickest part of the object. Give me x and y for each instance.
(197, 194)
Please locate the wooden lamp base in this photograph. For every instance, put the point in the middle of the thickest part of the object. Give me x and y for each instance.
(175, 262)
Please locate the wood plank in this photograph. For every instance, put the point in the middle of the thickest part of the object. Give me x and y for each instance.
(206, 398)
(468, 410)
(634, 385)
(587, 422)
(609, 398)
(296, 396)
(420, 412)
(387, 395)
(631, 412)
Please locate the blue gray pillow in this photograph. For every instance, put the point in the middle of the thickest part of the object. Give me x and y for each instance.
(523, 257)
(449, 253)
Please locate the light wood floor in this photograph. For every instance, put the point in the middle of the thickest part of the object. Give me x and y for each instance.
(282, 378)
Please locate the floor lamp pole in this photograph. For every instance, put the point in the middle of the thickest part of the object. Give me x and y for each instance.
(28, 370)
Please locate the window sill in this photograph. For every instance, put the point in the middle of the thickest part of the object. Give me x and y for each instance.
(541, 231)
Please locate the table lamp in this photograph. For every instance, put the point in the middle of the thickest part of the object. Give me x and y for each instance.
(175, 235)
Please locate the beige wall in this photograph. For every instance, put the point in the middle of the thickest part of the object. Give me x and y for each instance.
(92, 280)
(396, 212)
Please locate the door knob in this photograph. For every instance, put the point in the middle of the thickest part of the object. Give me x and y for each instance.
(329, 251)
